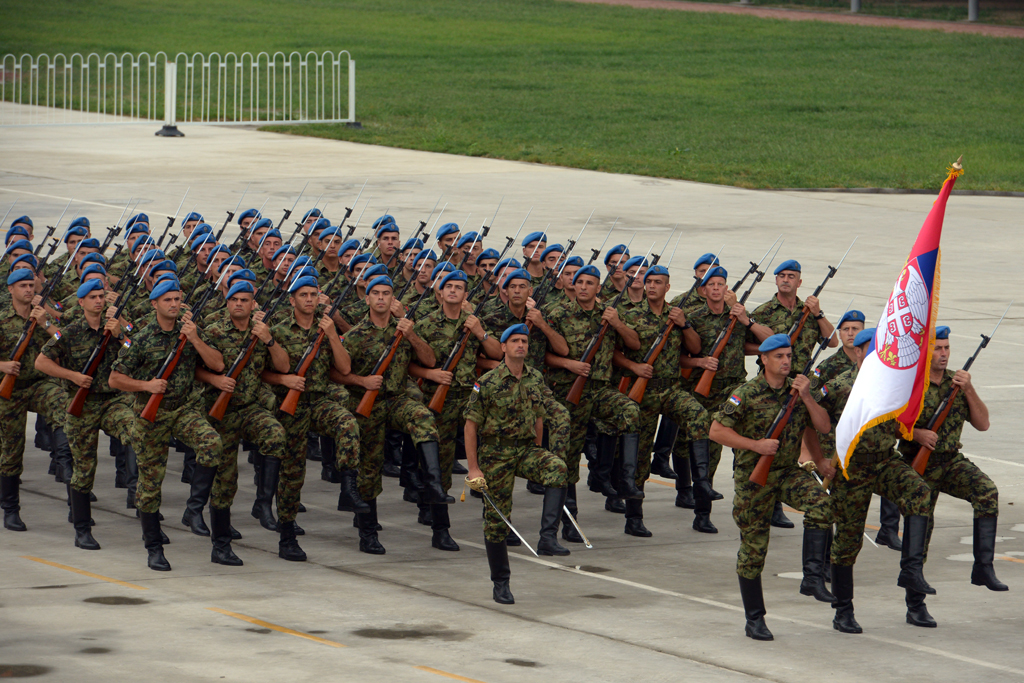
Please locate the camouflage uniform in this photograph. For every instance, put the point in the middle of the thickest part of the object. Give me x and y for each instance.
(393, 409)
(948, 470)
(180, 413)
(317, 406)
(505, 410)
(875, 467)
(325, 279)
(608, 291)
(750, 411)
(774, 315)
(33, 391)
(354, 309)
(689, 302)
(104, 408)
(53, 266)
(828, 370)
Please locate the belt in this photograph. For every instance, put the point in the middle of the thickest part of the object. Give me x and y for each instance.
(502, 442)
(663, 383)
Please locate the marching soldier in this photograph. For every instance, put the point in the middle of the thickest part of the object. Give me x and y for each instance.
(387, 240)
(406, 257)
(263, 262)
(533, 246)
(616, 279)
(447, 235)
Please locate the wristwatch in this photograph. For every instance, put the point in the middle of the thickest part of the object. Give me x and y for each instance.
(270, 343)
(687, 326)
(819, 316)
(750, 323)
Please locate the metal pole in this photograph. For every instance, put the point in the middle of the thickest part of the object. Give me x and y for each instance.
(854, 6)
(352, 123)
(170, 129)
(972, 10)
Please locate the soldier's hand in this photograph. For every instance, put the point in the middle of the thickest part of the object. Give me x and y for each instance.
(36, 300)
(190, 331)
(113, 326)
(224, 383)
(323, 299)
(262, 332)
(610, 316)
(110, 297)
(294, 382)
(258, 316)
(468, 307)
(813, 305)
(405, 326)
(39, 315)
(441, 377)
(109, 312)
(826, 469)
(730, 298)
(579, 368)
(530, 303)
(156, 386)
(534, 317)
(10, 367)
(644, 370)
(708, 363)
(326, 324)
(84, 381)
(373, 382)
(186, 313)
(473, 326)
(766, 446)
(962, 379)
(739, 311)
(803, 386)
(475, 480)
(926, 438)
(397, 309)
(676, 315)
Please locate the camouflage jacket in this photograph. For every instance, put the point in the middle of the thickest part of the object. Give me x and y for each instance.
(648, 325)
(67, 287)
(326, 277)
(690, 302)
(953, 426)
(366, 343)
(426, 307)
(294, 339)
(831, 367)
(608, 291)
(442, 334)
(877, 440)
(11, 327)
(72, 352)
(229, 340)
(579, 327)
(556, 300)
(503, 406)
(53, 266)
(496, 317)
(752, 409)
(259, 270)
(142, 360)
(354, 309)
(780, 319)
(732, 362)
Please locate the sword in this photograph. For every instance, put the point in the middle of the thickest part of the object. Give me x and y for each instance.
(586, 541)
(488, 498)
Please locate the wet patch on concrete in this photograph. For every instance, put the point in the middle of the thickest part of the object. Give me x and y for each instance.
(95, 651)
(116, 600)
(22, 670)
(40, 588)
(523, 662)
(599, 596)
(316, 632)
(412, 633)
(592, 569)
(259, 630)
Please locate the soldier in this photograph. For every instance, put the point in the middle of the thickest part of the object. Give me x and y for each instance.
(780, 314)
(280, 267)
(386, 231)
(78, 230)
(443, 328)
(510, 307)
(410, 250)
(179, 416)
(183, 254)
(948, 470)
(533, 246)
(313, 247)
(564, 290)
(741, 423)
(874, 467)
(254, 239)
(104, 407)
(423, 266)
(616, 279)
(576, 324)
(264, 261)
(504, 424)
(189, 223)
(447, 235)
(636, 268)
(33, 391)
(331, 242)
(471, 245)
(201, 246)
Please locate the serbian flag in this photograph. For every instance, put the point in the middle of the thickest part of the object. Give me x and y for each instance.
(894, 376)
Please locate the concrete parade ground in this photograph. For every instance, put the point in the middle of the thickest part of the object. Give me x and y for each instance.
(660, 609)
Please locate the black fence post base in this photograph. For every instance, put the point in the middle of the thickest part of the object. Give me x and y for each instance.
(170, 132)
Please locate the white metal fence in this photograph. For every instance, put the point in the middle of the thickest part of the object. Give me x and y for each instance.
(218, 89)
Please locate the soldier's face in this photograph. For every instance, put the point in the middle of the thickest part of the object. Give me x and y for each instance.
(83, 252)
(533, 250)
(305, 299)
(698, 273)
(388, 243)
(16, 253)
(408, 256)
(73, 243)
(587, 287)
(448, 240)
(204, 254)
(240, 306)
(715, 290)
(551, 261)
(638, 281)
(345, 258)
(614, 261)
(189, 227)
(22, 291)
(168, 305)
(516, 346)
(568, 273)
(518, 291)
(426, 267)
(379, 299)
(246, 222)
(454, 293)
(778, 362)
(281, 268)
(657, 287)
(788, 281)
(270, 245)
(256, 236)
(331, 245)
(940, 355)
(220, 258)
(93, 301)
(477, 249)
(848, 332)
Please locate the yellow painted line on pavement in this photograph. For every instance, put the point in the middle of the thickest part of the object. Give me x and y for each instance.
(275, 627)
(455, 677)
(1009, 559)
(84, 573)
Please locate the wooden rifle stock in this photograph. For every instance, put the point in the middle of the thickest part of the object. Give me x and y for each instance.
(365, 406)
(920, 463)
(153, 404)
(640, 386)
(441, 393)
(795, 334)
(291, 400)
(576, 392)
(78, 402)
(704, 384)
(760, 474)
(7, 383)
(221, 404)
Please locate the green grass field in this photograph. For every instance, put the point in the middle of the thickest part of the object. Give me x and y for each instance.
(712, 98)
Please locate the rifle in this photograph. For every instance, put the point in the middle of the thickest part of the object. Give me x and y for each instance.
(708, 377)
(2, 221)
(113, 232)
(548, 282)
(53, 247)
(764, 464)
(920, 463)
(596, 253)
(798, 326)
(49, 233)
(243, 233)
(288, 212)
(576, 392)
(21, 346)
(171, 219)
(230, 217)
(754, 266)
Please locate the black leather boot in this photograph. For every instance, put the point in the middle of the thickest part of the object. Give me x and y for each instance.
(497, 559)
(220, 521)
(313, 447)
(188, 465)
(699, 465)
(368, 541)
(425, 516)
(602, 480)
(153, 539)
(535, 488)
(288, 548)
(132, 478)
(431, 461)
(442, 540)
(615, 505)
(917, 611)
(551, 513)
(889, 526)
(43, 438)
(10, 501)
(630, 446)
(826, 568)
(257, 466)
(81, 515)
(915, 529)
(62, 455)
(813, 583)
(753, 609)
(392, 454)
(590, 453)
(779, 518)
(983, 574)
(348, 499)
(842, 586)
(569, 532)
(202, 484)
(635, 519)
(120, 469)
(328, 458)
(663, 445)
(263, 508)
(684, 482)
(409, 477)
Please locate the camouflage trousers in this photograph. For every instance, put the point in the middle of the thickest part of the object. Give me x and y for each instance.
(601, 401)
(188, 424)
(449, 427)
(293, 461)
(677, 405)
(397, 412)
(110, 412)
(752, 511)
(500, 467)
(959, 477)
(46, 398)
(255, 424)
(890, 478)
(718, 395)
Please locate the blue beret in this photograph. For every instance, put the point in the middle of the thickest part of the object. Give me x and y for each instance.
(788, 265)
(708, 259)
(91, 243)
(201, 229)
(87, 287)
(139, 218)
(468, 238)
(201, 240)
(304, 281)
(447, 229)
(574, 261)
(136, 229)
(550, 250)
(348, 245)
(714, 271)
(299, 262)
(445, 266)
(145, 239)
(617, 249)
(79, 230)
(262, 223)
(776, 341)
(518, 328)
(864, 336)
(15, 232)
(80, 221)
(93, 268)
(163, 287)
(166, 264)
(635, 261)
(330, 231)
(387, 227)
(853, 316)
(361, 258)
(167, 276)
(507, 263)
(386, 219)
(23, 219)
(656, 270)
(534, 237)
(942, 332)
(518, 274)
(273, 232)
(27, 258)
(312, 212)
(89, 258)
(381, 281)
(425, 254)
(320, 224)
(243, 286)
(243, 274)
(486, 254)
(219, 249)
(373, 271)
(412, 243)
(152, 254)
(233, 261)
(248, 213)
(306, 271)
(286, 249)
(587, 270)
(193, 216)
(20, 244)
(454, 276)
(21, 274)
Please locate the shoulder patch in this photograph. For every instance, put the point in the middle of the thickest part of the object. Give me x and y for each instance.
(476, 387)
(731, 405)
(50, 343)
(824, 390)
